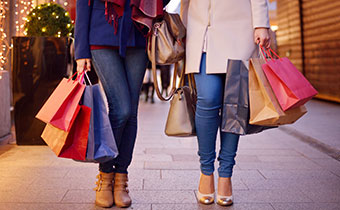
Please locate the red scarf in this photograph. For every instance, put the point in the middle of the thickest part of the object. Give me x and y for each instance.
(143, 12)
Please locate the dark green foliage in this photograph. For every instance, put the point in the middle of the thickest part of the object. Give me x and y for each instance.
(48, 20)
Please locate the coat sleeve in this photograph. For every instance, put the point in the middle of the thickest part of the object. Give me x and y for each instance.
(184, 11)
(260, 13)
(81, 31)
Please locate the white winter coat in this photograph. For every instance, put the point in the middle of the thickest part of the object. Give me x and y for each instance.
(229, 29)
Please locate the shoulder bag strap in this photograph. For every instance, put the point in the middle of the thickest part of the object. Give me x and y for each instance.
(154, 72)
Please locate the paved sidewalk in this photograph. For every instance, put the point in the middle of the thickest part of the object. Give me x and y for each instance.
(274, 171)
(320, 127)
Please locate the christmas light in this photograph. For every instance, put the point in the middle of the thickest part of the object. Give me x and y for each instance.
(4, 50)
(22, 8)
(44, 18)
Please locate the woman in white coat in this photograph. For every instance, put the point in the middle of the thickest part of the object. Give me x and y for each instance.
(218, 30)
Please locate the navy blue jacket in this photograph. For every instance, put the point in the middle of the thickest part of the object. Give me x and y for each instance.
(92, 28)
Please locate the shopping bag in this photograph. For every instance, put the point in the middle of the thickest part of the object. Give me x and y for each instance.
(54, 137)
(101, 145)
(235, 111)
(181, 116)
(60, 108)
(71, 144)
(291, 88)
(264, 107)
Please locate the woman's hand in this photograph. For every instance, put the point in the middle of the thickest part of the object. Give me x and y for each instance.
(262, 37)
(83, 65)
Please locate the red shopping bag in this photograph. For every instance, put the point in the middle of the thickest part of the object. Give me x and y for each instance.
(291, 88)
(72, 144)
(76, 143)
(60, 108)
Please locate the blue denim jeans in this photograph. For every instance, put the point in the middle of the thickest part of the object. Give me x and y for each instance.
(210, 89)
(122, 80)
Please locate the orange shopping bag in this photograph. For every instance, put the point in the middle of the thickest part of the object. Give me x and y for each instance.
(291, 88)
(60, 108)
(72, 144)
(264, 107)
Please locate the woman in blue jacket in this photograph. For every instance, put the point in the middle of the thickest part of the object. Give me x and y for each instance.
(107, 37)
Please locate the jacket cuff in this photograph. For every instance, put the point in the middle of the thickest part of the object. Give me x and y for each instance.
(260, 13)
(82, 53)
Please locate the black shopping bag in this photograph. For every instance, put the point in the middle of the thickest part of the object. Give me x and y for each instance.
(235, 111)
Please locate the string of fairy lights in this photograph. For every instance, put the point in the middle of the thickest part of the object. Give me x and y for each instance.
(21, 9)
(4, 46)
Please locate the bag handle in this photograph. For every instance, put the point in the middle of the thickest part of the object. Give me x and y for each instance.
(191, 78)
(154, 72)
(87, 78)
(268, 52)
(191, 81)
(79, 77)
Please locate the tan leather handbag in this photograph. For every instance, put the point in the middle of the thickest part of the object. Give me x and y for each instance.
(166, 47)
(166, 41)
(181, 117)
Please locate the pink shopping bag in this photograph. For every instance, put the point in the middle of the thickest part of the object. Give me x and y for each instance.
(60, 108)
(291, 88)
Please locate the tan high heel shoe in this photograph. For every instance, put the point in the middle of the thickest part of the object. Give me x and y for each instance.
(206, 198)
(104, 196)
(121, 193)
(224, 200)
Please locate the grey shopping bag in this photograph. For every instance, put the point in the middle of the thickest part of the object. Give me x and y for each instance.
(101, 142)
(235, 111)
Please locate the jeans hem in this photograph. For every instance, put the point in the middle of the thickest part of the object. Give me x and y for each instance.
(121, 171)
(106, 171)
(225, 175)
(207, 173)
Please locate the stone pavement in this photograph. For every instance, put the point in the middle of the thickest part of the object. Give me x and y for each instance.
(274, 171)
(320, 127)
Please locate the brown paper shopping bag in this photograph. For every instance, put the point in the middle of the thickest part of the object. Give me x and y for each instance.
(70, 144)
(264, 107)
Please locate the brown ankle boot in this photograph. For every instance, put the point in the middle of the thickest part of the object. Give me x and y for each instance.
(104, 196)
(121, 193)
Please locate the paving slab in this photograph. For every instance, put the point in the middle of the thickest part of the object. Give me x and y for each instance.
(321, 122)
(38, 196)
(54, 206)
(182, 184)
(306, 206)
(298, 174)
(236, 206)
(166, 196)
(270, 196)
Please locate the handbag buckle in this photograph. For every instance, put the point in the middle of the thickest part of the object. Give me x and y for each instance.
(156, 27)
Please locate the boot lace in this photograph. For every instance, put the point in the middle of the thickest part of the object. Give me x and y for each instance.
(99, 183)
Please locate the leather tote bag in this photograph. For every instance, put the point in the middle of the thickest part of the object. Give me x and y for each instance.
(181, 116)
(166, 46)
